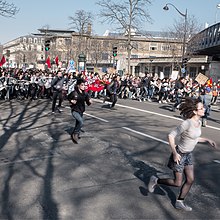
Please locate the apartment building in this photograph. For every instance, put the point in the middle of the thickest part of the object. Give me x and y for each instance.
(154, 52)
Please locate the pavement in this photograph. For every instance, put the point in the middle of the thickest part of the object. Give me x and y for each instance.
(45, 176)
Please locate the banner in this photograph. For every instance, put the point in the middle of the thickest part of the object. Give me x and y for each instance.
(94, 85)
(174, 75)
(48, 62)
(201, 79)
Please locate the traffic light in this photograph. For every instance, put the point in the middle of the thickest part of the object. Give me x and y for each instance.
(114, 52)
(47, 45)
(184, 62)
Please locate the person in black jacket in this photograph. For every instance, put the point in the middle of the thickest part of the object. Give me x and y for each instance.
(57, 87)
(113, 88)
(179, 89)
(77, 99)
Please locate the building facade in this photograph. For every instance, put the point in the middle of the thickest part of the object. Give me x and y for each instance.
(154, 52)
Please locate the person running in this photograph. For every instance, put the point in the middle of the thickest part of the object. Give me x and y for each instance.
(77, 99)
(181, 161)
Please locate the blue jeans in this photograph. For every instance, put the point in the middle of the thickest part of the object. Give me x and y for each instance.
(79, 121)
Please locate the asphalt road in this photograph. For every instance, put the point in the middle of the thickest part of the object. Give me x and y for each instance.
(43, 175)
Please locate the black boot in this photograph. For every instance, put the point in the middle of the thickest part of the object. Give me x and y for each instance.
(74, 138)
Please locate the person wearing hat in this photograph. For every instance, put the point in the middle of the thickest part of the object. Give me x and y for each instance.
(77, 99)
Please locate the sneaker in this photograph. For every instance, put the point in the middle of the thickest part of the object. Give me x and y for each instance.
(204, 122)
(60, 110)
(152, 184)
(180, 205)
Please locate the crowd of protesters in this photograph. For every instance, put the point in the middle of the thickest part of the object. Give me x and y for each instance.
(37, 84)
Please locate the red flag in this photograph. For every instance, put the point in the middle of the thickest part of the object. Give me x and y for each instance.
(57, 60)
(209, 83)
(48, 62)
(2, 60)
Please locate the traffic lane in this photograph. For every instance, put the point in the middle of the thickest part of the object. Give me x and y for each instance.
(153, 121)
(142, 151)
(147, 127)
(108, 170)
(166, 109)
(154, 124)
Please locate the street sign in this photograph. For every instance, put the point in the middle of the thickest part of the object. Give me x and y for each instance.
(71, 62)
(183, 70)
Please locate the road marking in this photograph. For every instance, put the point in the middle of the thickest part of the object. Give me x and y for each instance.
(155, 113)
(101, 119)
(216, 161)
(146, 135)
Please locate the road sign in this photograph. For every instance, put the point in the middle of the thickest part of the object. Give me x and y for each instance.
(71, 62)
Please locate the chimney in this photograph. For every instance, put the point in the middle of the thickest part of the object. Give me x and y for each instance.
(89, 29)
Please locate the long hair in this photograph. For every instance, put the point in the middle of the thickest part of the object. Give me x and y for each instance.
(188, 107)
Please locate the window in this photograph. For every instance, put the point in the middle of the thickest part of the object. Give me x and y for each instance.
(24, 40)
(134, 56)
(153, 46)
(165, 47)
(106, 44)
(35, 40)
(135, 45)
(67, 42)
(104, 56)
(30, 40)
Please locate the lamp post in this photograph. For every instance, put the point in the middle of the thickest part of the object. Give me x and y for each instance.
(185, 26)
(217, 7)
(81, 62)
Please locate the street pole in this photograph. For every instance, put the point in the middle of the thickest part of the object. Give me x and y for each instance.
(216, 11)
(185, 27)
(184, 37)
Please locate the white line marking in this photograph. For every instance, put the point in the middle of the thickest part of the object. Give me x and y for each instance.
(155, 113)
(146, 135)
(216, 161)
(101, 119)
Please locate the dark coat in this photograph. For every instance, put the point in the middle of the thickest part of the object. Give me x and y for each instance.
(81, 97)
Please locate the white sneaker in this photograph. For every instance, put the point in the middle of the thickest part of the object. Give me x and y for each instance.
(152, 184)
(180, 205)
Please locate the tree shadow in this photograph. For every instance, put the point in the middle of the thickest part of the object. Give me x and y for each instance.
(17, 124)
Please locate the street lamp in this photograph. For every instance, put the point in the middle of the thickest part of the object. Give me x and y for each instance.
(166, 8)
(217, 7)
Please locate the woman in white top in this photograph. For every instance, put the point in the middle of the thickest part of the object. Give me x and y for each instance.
(181, 161)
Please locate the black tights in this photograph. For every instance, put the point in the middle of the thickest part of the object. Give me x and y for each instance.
(177, 181)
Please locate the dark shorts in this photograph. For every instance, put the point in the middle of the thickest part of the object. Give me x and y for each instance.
(186, 160)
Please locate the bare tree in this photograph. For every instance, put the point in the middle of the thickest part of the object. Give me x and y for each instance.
(128, 15)
(7, 9)
(192, 28)
(81, 22)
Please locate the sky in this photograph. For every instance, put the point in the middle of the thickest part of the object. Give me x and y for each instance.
(36, 14)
